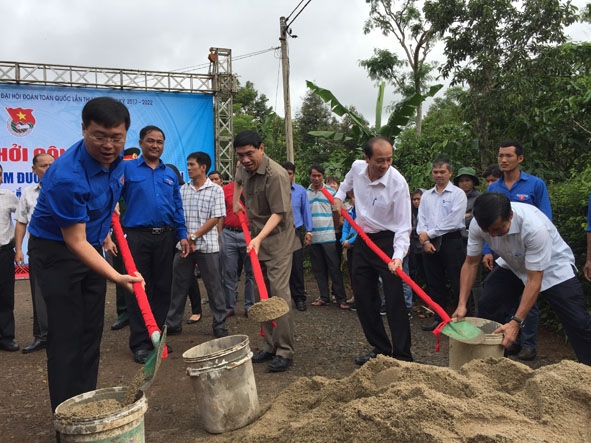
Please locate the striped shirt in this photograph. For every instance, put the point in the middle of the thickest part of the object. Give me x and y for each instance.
(322, 220)
(201, 205)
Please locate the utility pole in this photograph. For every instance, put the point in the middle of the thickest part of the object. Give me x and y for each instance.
(286, 100)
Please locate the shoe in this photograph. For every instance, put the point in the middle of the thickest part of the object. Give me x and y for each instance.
(300, 305)
(246, 312)
(220, 332)
(141, 356)
(430, 326)
(383, 310)
(8, 345)
(527, 353)
(37, 345)
(174, 331)
(365, 358)
(119, 324)
(262, 356)
(190, 320)
(169, 349)
(409, 313)
(353, 307)
(230, 314)
(514, 349)
(279, 364)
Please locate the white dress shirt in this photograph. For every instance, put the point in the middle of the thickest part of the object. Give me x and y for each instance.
(27, 203)
(442, 213)
(381, 205)
(8, 205)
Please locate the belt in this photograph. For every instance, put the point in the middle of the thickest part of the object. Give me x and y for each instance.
(152, 230)
(452, 235)
(230, 228)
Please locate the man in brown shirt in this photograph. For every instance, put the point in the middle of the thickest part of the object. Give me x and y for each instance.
(267, 192)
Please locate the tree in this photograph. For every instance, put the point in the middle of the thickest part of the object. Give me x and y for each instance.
(415, 37)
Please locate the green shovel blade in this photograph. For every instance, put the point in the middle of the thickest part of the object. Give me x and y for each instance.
(463, 331)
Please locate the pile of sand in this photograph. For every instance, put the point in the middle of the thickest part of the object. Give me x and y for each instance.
(392, 401)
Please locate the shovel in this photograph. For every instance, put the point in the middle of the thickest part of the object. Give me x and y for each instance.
(145, 376)
(267, 309)
(462, 330)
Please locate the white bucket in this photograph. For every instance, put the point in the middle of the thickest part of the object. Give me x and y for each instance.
(461, 353)
(223, 380)
(123, 425)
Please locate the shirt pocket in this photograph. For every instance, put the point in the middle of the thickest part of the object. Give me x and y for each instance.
(381, 209)
(98, 205)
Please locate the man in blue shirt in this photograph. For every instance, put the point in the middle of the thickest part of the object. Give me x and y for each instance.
(524, 188)
(302, 219)
(70, 222)
(154, 222)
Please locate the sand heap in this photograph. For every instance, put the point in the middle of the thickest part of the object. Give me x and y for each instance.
(392, 401)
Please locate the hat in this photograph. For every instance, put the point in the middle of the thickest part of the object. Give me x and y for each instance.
(470, 172)
(131, 153)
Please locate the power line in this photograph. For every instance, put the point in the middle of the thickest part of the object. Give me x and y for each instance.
(287, 22)
(238, 57)
(294, 10)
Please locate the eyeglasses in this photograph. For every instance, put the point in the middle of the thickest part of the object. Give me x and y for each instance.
(104, 140)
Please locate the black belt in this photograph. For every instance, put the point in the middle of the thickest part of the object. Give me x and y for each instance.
(152, 230)
(230, 228)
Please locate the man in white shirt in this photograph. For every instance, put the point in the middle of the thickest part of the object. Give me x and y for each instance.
(26, 206)
(441, 220)
(382, 204)
(8, 205)
(533, 260)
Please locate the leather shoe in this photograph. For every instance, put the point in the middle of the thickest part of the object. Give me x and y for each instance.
(119, 324)
(279, 364)
(174, 331)
(220, 332)
(527, 353)
(514, 349)
(141, 356)
(37, 345)
(365, 358)
(430, 326)
(300, 305)
(262, 356)
(8, 345)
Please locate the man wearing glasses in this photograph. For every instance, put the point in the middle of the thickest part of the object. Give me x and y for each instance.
(70, 222)
(154, 222)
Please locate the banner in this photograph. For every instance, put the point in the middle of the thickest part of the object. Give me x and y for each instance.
(48, 119)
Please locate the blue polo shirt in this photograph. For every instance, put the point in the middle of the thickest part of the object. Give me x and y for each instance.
(77, 189)
(527, 189)
(301, 207)
(152, 197)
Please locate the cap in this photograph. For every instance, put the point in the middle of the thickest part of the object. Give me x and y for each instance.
(470, 172)
(131, 153)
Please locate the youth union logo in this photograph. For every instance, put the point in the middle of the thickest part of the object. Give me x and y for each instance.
(21, 121)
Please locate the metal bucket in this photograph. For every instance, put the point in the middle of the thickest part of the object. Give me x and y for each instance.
(461, 353)
(123, 425)
(223, 380)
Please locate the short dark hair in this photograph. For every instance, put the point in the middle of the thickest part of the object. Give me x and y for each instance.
(516, 144)
(215, 171)
(289, 166)
(247, 138)
(36, 158)
(442, 161)
(201, 158)
(489, 206)
(319, 168)
(417, 191)
(368, 147)
(147, 129)
(331, 178)
(493, 170)
(106, 112)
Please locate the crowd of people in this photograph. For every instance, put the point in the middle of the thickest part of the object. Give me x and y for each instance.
(488, 253)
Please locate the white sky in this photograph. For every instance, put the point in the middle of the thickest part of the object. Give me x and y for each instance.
(171, 35)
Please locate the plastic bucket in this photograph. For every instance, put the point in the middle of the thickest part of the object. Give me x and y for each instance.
(123, 425)
(461, 353)
(223, 380)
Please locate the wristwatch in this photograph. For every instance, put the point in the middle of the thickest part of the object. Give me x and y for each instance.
(519, 321)
(193, 237)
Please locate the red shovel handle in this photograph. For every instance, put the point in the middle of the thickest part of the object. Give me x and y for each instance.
(254, 259)
(419, 291)
(138, 288)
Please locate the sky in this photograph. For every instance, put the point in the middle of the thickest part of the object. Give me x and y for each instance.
(176, 36)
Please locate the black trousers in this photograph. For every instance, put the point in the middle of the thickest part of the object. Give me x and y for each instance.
(296, 278)
(367, 268)
(75, 299)
(153, 255)
(7, 292)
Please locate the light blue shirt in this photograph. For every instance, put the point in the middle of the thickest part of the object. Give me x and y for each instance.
(301, 207)
(442, 213)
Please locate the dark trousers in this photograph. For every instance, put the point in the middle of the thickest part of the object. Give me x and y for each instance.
(153, 256)
(367, 268)
(502, 293)
(296, 278)
(447, 261)
(325, 262)
(120, 303)
(75, 300)
(7, 292)
(39, 309)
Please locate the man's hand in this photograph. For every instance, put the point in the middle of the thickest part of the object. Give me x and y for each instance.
(127, 281)
(586, 269)
(429, 248)
(394, 265)
(308, 239)
(255, 244)
(488, 261)
(510, 331)
(459, 313)
(19, 259)
(186, 247)
(337, 205)
(346, 244)
(109, 246)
